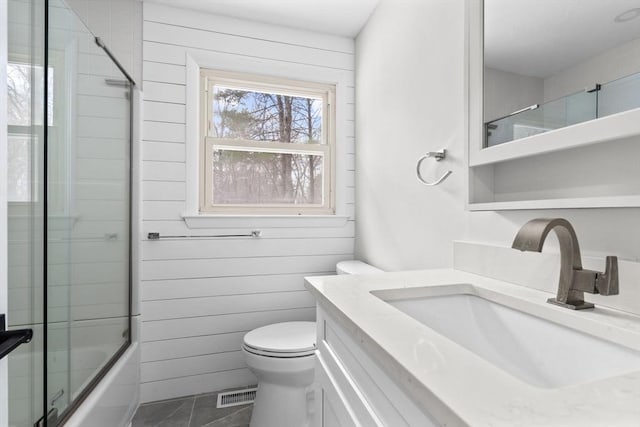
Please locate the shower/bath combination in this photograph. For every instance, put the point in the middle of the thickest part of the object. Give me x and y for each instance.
(69, 210)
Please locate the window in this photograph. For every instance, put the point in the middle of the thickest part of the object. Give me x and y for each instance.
(22, 138)
(267, 145)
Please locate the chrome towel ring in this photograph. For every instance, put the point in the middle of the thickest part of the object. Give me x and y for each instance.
(438, 155)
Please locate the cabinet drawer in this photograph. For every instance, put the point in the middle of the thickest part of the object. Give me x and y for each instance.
(384, 400)
(341, 404)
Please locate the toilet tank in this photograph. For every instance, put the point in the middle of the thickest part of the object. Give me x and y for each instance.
(356, 267)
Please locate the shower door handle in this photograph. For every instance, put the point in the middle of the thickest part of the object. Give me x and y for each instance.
(10, 340)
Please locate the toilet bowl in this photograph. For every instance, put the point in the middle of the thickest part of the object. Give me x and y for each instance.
(282, 357)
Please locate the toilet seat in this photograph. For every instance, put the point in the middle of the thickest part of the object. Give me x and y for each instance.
(282, 340)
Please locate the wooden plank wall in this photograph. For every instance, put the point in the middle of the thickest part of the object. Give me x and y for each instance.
(200, 296)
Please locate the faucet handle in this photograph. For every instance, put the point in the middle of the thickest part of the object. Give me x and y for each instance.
(607, 282)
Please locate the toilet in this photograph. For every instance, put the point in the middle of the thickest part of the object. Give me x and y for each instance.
(282, 357)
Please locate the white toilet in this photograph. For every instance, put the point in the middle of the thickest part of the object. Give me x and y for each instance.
(282, 356)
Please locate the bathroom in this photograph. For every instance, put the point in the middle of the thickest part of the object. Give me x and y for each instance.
(139, 290)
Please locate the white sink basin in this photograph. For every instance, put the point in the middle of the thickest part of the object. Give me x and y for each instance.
(533, 349)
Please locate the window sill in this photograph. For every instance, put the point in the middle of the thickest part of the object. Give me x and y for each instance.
(266, 221)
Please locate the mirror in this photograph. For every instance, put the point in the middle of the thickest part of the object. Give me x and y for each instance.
(550, 64)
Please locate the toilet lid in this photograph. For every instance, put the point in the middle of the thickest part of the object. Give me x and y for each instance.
(283, 338)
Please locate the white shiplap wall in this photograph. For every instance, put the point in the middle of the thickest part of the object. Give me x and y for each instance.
(199, 297)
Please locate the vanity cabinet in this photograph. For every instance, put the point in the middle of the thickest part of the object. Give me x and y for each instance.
(415, 349)
(352, 389)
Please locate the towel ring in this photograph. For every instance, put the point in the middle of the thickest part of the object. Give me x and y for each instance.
(438, 155)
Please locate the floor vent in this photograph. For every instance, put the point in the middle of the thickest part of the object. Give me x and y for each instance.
(236, 397)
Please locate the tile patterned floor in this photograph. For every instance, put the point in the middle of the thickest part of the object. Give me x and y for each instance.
(193, 411)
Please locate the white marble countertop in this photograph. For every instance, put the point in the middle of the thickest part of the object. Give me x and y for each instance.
(464, 389)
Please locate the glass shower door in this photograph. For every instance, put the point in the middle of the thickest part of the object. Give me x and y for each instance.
(88, 213)
(68, 210)
(25, 207)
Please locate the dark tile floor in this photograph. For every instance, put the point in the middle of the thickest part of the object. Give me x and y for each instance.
(193, 411)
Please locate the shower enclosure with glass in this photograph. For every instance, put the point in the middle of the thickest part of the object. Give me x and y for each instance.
(69, 210)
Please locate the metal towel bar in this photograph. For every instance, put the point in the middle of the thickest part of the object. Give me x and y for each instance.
(158, 236)
(438, 155)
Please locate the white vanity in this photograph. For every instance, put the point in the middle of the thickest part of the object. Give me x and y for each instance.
(448, 347)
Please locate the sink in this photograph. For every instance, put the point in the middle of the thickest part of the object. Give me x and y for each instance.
(539, 352)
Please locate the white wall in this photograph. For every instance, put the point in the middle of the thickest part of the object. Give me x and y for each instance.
(613, 64)
(415, 50)
(409, 74)
(509, 92)
(199, 297)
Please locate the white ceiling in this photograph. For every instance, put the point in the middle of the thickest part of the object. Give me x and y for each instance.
(541, 37)
(338, 17)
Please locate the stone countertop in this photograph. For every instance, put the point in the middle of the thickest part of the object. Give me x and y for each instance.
(459, 387)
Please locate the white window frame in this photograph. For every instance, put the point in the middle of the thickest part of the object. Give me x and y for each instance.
(62, 85)
(259, 83)
(35, 132)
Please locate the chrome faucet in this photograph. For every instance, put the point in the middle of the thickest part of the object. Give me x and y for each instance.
(574, 281)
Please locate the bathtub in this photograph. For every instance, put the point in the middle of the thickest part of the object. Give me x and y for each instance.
(113, 401)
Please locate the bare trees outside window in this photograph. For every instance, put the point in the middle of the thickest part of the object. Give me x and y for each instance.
(267, 145)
